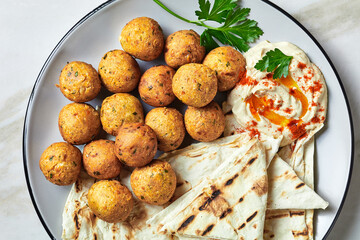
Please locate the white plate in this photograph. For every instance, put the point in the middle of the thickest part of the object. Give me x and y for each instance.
(98, 32)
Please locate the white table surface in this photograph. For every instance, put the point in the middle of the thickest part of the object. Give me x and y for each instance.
(31, 29)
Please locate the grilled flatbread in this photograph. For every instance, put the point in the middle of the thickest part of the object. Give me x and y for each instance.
(292, 154)
(199, 160)
(231, 203)
(287, 191)
(271, 144)
(299, 155)
(293, 224)
(81, 224)
(282, 224)
(192, 165)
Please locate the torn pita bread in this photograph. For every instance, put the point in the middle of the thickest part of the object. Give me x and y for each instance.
(229, 204)
(288, 191)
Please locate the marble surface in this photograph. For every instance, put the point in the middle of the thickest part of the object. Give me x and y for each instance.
(31, 29)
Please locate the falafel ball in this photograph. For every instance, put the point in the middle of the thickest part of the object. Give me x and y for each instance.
(183, 47)
(79, 82)
(61, 163)
(155, 86)
(79, 123)
(143, 38)
(155, 183)
(119, 72)
(110, 201)
(229, 65)
(135, 144)
(205, 124)
(168, 124)
(118, 109)
(100, 160)
(195, 84)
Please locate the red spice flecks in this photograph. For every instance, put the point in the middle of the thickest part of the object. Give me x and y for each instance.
(269, 76)
(271, 103)
(313, 104)
(303, 136)
(291, 91)
(322, 109)
(246, 80)
(301, 65)
(288, 110)
(240, 130)
(254, 132)
(303, 88)
(241, 75)
(296, 128)
(292, 146)
(266, 84)
(307, 77)
(253, 123)
(316, 87)
(315, 119)
(280, 129)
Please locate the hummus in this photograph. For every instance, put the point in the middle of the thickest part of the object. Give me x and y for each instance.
(293, 107)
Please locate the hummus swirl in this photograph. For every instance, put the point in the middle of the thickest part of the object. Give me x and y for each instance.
(294, 107)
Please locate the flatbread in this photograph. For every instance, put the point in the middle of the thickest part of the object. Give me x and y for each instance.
(309, 149)
(199, 160)
(192, 165)
(299, 156)
(282, 223)
(80, 223)
(229, 204)
(288, 191)
(271, 144)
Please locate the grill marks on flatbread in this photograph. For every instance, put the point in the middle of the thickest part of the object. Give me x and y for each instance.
(294, 224)
(270, 143)
(287, 191)
(229, 205)
(285, 224)
(80, 223)
(186, 223)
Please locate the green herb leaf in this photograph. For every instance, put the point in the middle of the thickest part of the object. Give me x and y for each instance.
(235, 29)
(206, 39)
(275, 61)
(218, 12)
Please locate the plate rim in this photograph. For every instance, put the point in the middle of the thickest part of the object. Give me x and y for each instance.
(108, 2)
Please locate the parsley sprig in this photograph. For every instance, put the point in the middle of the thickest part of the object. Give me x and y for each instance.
(235, 28)
(275, 60)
